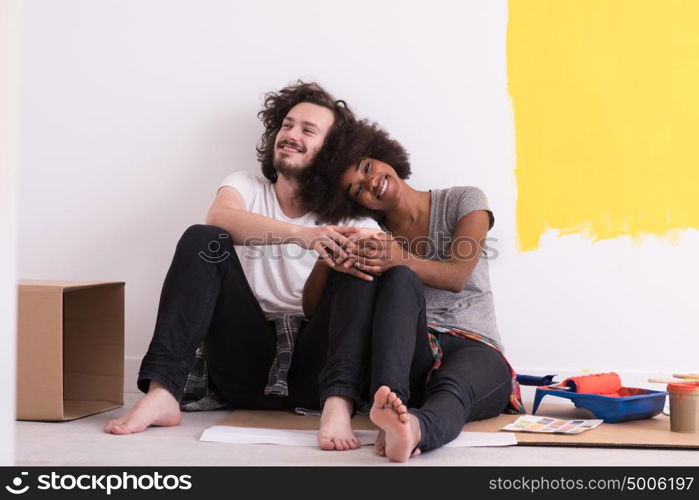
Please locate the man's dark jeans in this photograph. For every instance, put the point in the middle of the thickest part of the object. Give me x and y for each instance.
(206, 299)
(359, 326)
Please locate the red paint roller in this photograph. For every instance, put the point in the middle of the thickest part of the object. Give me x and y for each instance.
(604, 384)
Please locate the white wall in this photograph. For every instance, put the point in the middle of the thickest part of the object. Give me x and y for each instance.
(134, 111)
(9, 148)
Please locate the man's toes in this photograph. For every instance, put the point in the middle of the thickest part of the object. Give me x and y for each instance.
(121, 430)
(415, 453)
(403, 417)
(109, 426)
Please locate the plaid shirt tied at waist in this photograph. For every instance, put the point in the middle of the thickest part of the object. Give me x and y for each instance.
(199, 395)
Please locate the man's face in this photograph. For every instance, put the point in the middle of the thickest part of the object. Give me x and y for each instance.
(302, 134)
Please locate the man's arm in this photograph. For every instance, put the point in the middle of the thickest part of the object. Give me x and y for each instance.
(228, 212)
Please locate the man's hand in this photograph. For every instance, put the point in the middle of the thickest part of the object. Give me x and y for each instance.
(334, 244)
(355, 235)
(326, 240)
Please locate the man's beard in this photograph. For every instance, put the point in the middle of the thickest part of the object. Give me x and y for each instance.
(290, 172)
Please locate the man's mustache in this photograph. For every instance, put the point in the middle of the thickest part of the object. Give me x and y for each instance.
(298, 146)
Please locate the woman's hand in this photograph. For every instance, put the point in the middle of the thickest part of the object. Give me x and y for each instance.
(380, 252)
(336, 245)
(329, 241)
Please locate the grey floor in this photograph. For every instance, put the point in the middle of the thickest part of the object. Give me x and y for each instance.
(82, 442)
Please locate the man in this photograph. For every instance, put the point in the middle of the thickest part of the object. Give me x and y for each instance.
(243, 302)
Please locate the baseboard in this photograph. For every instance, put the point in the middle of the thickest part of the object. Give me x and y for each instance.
(131, 367)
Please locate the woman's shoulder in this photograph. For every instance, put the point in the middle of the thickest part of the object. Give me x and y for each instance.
(458, 201)
(460, 195)
(460, 191)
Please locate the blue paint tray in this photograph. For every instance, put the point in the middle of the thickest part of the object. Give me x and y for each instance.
(632, 403)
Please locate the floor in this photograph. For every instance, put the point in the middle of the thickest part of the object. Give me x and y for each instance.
(82, 442)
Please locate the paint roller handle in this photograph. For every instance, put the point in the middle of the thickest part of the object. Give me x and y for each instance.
(534, 379)
(665, 380)
(679, 377)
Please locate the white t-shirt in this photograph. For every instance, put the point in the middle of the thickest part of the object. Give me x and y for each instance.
(276, 273)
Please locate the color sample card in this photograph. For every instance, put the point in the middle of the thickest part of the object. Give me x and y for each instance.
(531, 423)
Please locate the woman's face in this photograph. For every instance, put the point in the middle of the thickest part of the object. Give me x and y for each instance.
(371, 183)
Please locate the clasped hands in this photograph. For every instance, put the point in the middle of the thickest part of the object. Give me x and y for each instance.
(363, 252)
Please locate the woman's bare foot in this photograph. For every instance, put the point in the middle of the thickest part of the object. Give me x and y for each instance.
(158, 407)
(401, 430)
(336, 426)
(380, 444)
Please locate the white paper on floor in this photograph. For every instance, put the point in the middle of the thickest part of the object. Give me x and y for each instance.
(252, 435)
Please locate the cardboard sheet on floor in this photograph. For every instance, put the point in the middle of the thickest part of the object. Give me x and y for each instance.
(647, 433)
(245, 426)
(286, 428)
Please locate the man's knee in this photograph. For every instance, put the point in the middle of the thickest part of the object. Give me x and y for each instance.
(203, 231)
(210, 242)
(204, 234)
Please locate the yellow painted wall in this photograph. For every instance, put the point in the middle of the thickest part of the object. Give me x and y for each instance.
(606, 106)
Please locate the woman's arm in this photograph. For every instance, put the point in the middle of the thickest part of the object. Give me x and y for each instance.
(467, 244)
(313, 289)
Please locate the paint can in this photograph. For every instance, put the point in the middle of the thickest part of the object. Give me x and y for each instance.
(684, 407)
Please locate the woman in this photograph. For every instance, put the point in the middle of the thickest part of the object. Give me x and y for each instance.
(437, 236)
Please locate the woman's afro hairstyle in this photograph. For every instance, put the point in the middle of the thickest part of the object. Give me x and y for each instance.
(321, 191)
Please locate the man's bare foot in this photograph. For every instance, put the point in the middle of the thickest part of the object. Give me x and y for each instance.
(335, 425)
(401, 430)
(158, 407)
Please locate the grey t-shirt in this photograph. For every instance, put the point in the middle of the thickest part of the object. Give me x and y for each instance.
(472, 308)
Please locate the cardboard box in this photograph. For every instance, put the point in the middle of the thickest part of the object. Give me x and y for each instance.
(70, 349)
